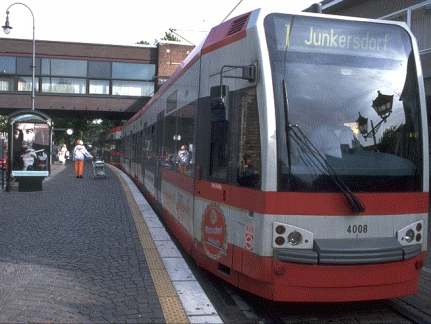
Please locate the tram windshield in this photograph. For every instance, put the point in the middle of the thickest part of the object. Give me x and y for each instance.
(352, 91)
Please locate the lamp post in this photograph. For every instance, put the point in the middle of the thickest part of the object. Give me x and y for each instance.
(382, 105)
(7, 28)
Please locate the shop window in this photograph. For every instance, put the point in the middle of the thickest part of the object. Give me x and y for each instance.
(100, 70)
(72, 68)
(24, 66)
(24, 84)
(133, 71)
(132, 88)
(7, 84)
(7, 65)
(64, 85)
(46, 66)
(99, 87)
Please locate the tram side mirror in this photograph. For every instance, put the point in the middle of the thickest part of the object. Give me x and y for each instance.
(249, 73)
(217, 102)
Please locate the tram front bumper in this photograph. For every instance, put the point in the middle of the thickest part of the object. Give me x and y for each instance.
(341, 283)
(348, 251)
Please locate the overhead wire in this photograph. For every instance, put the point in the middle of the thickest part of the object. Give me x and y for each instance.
(230, 12)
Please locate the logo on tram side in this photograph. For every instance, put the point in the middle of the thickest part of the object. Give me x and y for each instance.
(214, 232)
(249, 230)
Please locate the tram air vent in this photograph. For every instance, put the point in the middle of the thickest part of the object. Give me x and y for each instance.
(237, 25)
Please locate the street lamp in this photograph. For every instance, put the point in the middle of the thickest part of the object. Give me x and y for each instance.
(7, 28)
(382, 105)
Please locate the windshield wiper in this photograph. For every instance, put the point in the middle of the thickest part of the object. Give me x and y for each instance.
(314, 156)
(286, 129)
(319, 161)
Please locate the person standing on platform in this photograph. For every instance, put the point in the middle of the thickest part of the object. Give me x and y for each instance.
(183, 158)
(62, 154)
(79, 155)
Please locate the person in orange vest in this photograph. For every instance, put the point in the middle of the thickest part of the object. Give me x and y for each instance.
(79, 155)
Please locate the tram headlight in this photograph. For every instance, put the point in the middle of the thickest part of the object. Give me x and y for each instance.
(294, 238)
(291, 237)
(280, 229)
(411, 234)
(279, 240)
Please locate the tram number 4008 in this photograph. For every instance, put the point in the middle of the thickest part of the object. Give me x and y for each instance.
(357, 229)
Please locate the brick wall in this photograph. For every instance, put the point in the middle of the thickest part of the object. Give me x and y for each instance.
(170, 55)
(79, 50)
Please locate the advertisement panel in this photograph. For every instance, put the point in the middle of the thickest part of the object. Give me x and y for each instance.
(30, 149)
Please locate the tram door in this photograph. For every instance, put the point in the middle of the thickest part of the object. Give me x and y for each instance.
(159, 150)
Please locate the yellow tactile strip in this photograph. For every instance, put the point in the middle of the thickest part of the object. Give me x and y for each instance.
(172, 308)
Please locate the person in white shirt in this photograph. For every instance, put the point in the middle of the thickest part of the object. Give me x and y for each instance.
(79, 155)
(62, 154)
(183, 158)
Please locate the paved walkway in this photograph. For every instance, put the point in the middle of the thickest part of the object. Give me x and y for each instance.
(71, 253)
(74, 252)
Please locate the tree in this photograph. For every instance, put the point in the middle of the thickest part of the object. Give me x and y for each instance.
(143, 42)
(3, 124)
(169, 36)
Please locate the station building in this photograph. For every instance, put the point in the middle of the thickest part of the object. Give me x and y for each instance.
(415, 13)
(80, 79)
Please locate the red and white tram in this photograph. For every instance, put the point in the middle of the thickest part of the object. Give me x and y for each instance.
(289, 156)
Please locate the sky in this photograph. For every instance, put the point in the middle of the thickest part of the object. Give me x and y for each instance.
(126, 22)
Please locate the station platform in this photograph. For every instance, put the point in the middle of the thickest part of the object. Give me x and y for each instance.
(92, 250)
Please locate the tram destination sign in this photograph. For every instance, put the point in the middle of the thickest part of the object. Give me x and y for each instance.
(335, 39)
(319, 35)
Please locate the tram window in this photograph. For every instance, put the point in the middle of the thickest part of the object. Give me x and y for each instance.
(140, 148)
(169, 141)
(134, 148)
(246, 136)
(186, 124)
(178, 140)
(159, 135)
(149, 148)
(219, 144)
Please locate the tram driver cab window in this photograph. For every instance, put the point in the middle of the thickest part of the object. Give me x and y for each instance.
(234, 141)
(248, 175)
(248, 155)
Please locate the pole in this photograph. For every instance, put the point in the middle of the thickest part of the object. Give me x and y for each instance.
(374, 133)
(33, 65)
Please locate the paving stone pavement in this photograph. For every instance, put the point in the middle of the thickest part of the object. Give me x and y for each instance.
(71, 253)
